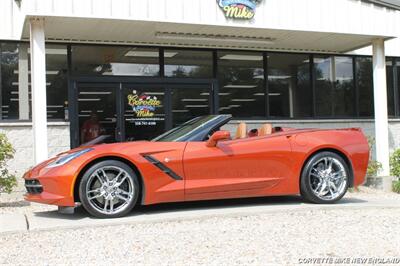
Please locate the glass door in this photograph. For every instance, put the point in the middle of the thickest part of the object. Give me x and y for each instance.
(98, 113)
(143, 111)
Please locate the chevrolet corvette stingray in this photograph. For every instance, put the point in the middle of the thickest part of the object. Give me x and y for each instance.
(199, 161)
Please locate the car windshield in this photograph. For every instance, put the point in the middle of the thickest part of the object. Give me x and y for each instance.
(179, 132)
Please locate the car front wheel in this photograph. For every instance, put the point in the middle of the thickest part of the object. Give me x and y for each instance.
(325, 178)
(109, 189)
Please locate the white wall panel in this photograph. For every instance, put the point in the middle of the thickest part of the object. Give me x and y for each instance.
(341, 16)
(139, 9)
(79, 7)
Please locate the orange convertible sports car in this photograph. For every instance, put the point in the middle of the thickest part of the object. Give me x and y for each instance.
(198, 161)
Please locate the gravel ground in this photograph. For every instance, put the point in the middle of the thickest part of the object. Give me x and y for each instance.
(278, 238)
(274, 238)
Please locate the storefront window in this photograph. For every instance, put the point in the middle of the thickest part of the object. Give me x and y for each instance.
(390, 86)
(56, 81)
(16, 81)
(365, 86)
(290, 94)
(334, 86)
(9, 81)
(115, 61)
(188, 63)
(241, 80)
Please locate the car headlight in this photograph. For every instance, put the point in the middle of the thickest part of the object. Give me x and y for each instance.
(65, 158)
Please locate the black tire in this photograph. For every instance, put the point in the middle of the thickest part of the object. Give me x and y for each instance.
(91, 206)
(307, 180)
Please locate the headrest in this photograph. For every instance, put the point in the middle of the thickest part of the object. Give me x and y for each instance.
(241, 131)
(265, 129)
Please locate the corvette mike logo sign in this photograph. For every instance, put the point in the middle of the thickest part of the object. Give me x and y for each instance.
(143, 105)
(239, 9)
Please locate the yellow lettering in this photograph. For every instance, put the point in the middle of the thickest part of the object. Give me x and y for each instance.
(240, 13)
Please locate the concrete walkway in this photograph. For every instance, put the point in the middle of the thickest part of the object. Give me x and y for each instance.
(51, 220)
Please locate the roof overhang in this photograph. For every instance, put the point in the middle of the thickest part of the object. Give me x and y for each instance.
(139, 32)
(395, 4)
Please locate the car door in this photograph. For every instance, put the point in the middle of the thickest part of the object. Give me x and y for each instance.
(236, 168)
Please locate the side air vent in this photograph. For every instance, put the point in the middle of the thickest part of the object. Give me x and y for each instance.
(162, 167)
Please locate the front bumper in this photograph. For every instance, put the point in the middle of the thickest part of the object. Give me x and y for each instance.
(50, 186)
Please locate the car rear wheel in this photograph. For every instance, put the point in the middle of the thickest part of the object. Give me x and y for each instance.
(325, 178)
(109, 189)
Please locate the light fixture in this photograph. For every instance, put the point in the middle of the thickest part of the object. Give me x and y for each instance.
(274, 94)
(242, 57)
(214, 37)
(52, 111)
(196, 106)
(194, 100)
(5, 106)
(154, 93)
(259, 94)
(234, 105)
(95, 92)
(231, 86)
(17, 92)
(278, 77)
(14, 99)
(53, 51)
(90, 100)
(220, 94)
(48, 72)
(55, 106)
(134, 53)
(29, 84)
(243, 100)
(180, 111)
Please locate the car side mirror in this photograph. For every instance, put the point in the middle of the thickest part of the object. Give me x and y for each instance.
(218, 136)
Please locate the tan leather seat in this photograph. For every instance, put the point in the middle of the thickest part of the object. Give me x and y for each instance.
(241, 131)
(265, 130)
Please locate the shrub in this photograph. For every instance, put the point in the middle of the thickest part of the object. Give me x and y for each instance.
(7, 181)
(395, 163)
(373, 166)
(396, 186)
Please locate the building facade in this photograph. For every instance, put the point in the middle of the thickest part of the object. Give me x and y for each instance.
(293, 63)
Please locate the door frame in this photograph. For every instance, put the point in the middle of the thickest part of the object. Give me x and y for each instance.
(167, 83)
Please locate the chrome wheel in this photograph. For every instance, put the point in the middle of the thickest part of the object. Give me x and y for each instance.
(328, 178)
(110, 190)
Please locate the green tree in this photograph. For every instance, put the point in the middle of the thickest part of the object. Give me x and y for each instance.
(7, 181)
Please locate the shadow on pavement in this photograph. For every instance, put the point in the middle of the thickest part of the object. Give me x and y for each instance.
(80, 213)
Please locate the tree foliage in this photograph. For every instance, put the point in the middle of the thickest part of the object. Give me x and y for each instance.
(7, 181)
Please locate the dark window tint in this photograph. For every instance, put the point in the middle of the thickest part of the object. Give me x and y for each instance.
(365, 86)
(56, 81)
(115, 61)
(241, 79)
(188, 63)
(390, 86)
(334, 86)
(289, 88)
(9, 80)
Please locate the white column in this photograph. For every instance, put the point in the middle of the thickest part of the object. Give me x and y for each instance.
(23, 79)
(38, 81)
(380, 102)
